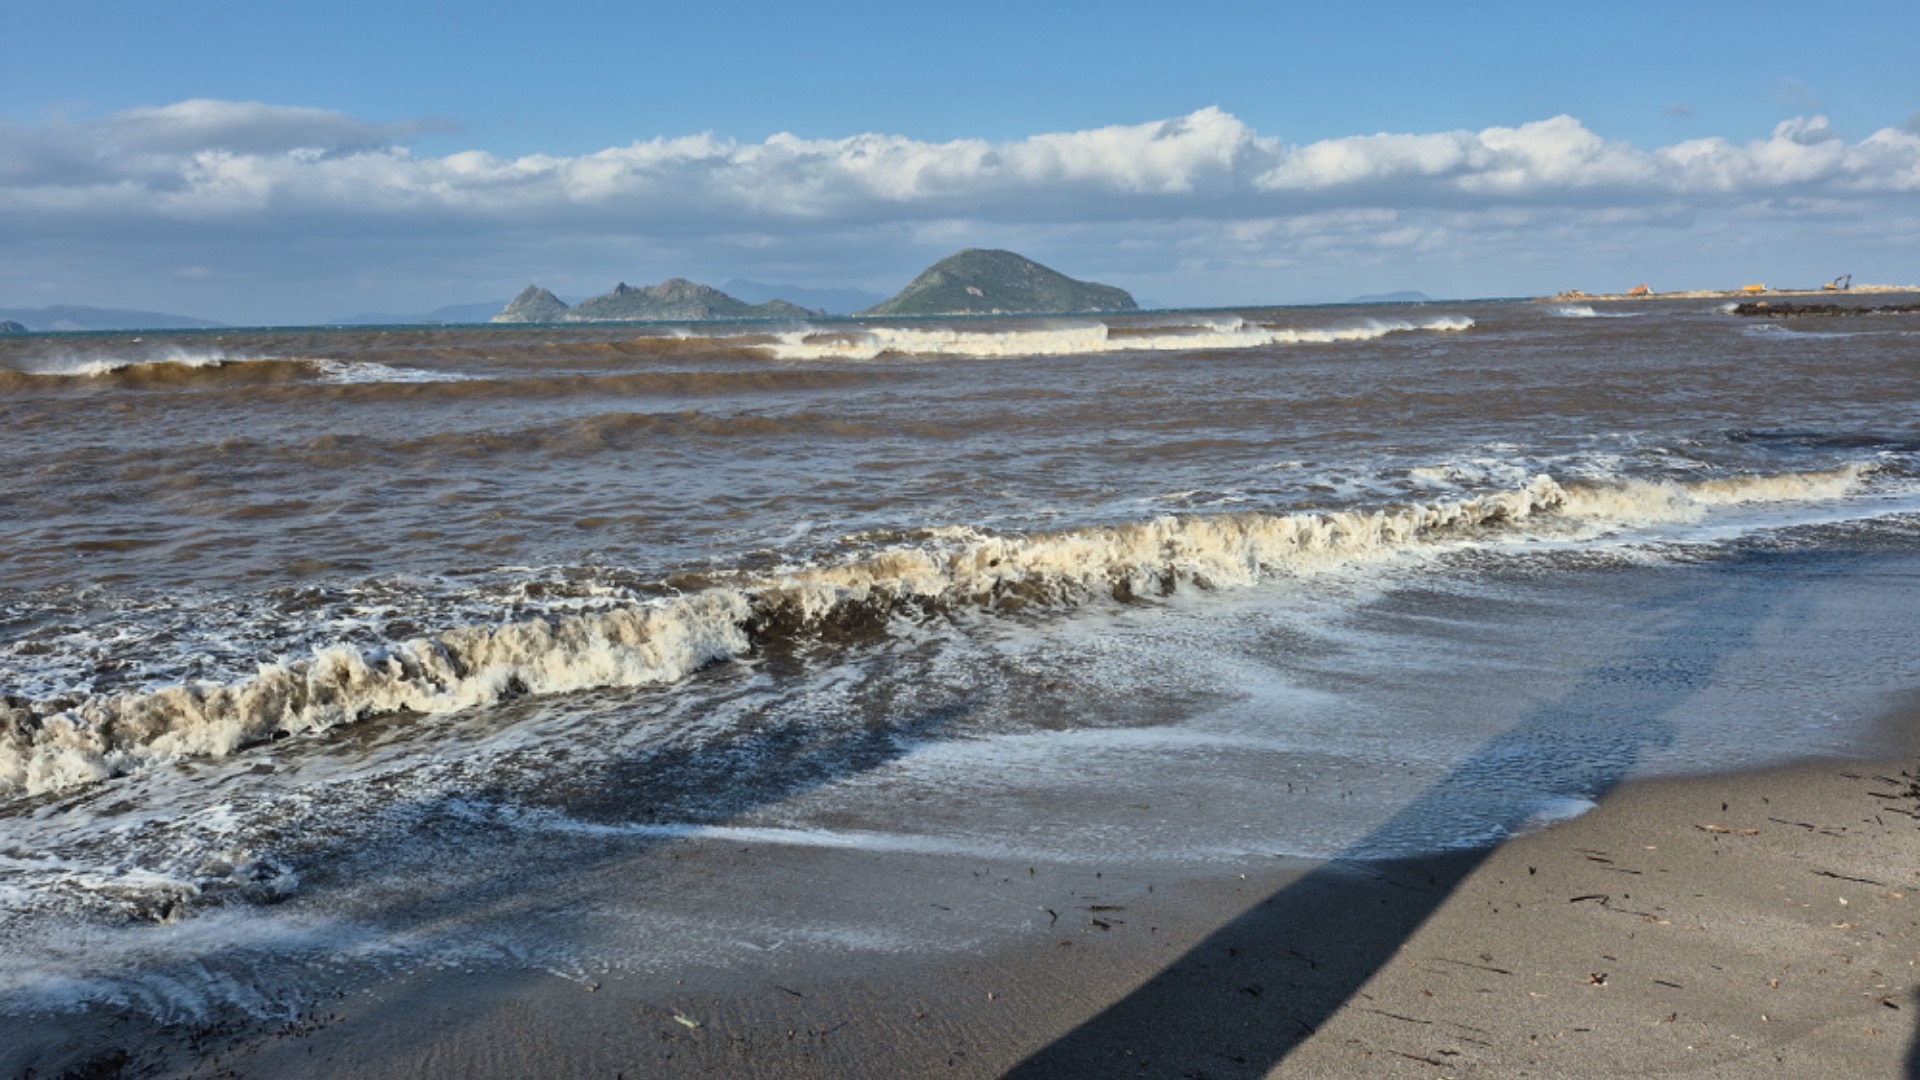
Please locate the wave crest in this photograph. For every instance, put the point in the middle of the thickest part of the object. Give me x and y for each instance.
(48, 746)
(874, 342)
(214, 367)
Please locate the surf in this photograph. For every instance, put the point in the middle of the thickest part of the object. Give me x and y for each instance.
(725, 615)
(876, 342)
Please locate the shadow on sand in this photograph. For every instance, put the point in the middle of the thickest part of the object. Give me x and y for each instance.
(1259, 986)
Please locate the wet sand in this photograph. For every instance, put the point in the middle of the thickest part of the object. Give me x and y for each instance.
(1712, 927)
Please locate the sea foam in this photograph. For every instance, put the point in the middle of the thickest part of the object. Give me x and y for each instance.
(48, 748)
(172, 365)
(869, 343)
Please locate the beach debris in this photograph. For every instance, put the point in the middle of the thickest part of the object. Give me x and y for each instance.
(687, 1021)
(1598, 978)
(1468, 963)
(1722, 829)
(1398, 1016)
(1844, 877)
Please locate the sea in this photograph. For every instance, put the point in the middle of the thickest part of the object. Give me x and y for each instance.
(335, 654)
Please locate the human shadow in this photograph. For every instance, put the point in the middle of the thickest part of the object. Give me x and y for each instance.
(1255, 989)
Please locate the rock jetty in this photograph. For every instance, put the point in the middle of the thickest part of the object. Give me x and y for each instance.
(1766, 310)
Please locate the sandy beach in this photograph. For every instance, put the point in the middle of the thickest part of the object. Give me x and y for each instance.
(1712, 927)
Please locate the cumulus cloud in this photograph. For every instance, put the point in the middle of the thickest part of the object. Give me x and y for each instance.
(247, 127)
(1205, 188)
(155, 147)
(200, 160)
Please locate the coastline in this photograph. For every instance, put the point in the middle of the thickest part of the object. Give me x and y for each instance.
(1707, 926)
(1576, 296)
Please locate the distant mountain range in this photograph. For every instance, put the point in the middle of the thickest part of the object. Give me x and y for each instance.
(74, 317)
(1407, 297)
(980, 281)
(452, 314)
(826, 301)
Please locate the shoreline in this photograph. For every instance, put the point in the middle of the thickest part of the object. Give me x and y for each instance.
(1705, 926)
(1576, 296)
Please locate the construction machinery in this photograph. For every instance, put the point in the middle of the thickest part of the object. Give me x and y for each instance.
(1839, 284)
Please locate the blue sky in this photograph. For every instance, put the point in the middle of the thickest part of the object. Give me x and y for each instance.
(256, 163)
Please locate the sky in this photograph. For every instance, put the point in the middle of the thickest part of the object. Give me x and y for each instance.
(282, 164)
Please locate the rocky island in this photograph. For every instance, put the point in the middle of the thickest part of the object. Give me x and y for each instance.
(971, 282)
(674, 300)
(990, 282)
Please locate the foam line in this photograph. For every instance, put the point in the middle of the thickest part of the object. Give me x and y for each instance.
(48, 747)
(869, 343)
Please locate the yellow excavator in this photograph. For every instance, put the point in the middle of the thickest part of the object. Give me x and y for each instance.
(1839, 284)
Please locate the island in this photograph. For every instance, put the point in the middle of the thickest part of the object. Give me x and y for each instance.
(673, 300)
(980, 281)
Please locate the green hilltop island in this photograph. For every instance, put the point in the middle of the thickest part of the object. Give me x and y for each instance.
(988, 282)
(674, 300)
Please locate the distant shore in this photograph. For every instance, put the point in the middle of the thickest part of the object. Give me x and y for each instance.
(1575, 295)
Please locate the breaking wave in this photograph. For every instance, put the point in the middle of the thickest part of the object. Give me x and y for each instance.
(51, 746)
(869, 343)
(1586, 311)
(214, 366)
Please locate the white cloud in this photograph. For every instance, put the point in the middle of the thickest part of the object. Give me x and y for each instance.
(233, 189)
(246, 127)
(200, 160)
